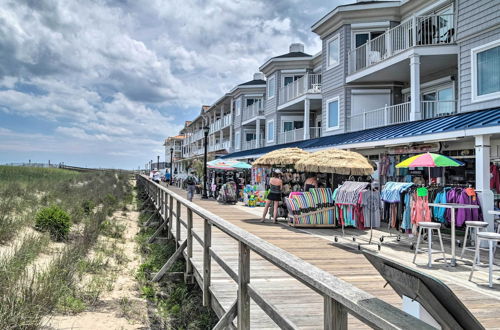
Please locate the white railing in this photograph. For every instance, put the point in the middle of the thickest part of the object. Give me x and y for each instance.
(247, 145)
(254, 110)
(220, 146)
(309, 83)
(399, 113)
(434, 109)
(226, 121)
(418, 31)
(387, 115)
(298, 135)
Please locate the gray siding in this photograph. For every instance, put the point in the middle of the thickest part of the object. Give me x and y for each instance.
(465, 71)
(333, 80)
(475, 16)
(271, 104)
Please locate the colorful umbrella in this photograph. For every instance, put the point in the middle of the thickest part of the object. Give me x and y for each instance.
(429, 160)
(227, 165)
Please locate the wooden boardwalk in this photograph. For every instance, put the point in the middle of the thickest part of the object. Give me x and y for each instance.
(298, 303)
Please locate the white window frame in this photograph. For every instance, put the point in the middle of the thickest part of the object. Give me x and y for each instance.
(334, 99)
(268, 87)
(237, 140)
(270, 137)
(238, 108)
(328, 66)
(291, 75)
(473, 59)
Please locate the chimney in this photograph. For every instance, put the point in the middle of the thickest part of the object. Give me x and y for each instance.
(258, 76)
(298, 47)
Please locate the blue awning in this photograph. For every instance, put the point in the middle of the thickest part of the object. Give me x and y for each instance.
(467, 120)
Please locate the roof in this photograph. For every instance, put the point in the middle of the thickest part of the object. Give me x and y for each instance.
(460, 122)
(293, 54)
(253, 82)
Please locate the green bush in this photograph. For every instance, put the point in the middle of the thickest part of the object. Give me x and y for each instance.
(54, 220)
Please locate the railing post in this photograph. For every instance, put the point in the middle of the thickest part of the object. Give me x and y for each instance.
(189, 247)
(243, 281)
(386, 109)
(414, 30)
(335, 316)
(177, 223)
(170, 216)
(364, 119)
(207, 269)
(388, 42)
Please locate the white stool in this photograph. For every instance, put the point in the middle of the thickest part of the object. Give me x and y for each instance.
(429, 226)
(472, 225)
(492, 238)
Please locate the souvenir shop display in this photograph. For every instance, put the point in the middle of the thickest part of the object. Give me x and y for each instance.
(253, 196)
(429, 160)
(228, 193)
(314, 208)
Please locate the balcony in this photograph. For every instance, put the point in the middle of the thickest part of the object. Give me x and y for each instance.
(252, 144)
(220, 124)
(253, 111)
(399, 113)
(298, 135)
(419, 31)
(225, 145)
(309, 83)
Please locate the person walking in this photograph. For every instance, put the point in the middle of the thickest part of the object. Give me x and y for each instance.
(274, 196)
(191, 187)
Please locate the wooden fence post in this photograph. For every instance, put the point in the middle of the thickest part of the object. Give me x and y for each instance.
(189, 251)
(243, 280)
(177, 223)
(207, 272)
(335, 317)
(170, 215)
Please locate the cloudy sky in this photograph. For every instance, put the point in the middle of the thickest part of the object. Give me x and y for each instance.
(102, 83)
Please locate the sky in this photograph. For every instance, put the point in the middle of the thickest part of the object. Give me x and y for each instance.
(102, 83)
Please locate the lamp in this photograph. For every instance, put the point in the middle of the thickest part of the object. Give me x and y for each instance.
(206, 130)
(171, 163)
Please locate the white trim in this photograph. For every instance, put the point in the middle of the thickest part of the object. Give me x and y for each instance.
(269, 97)
(238, 109)
(251, 120)
(284, 59)
(294, 71)
(237, 140)
(253, 95)
(473, 60)
(370, 25)
(433, 83)
(332, 39)
(333, 99)
(370, 91)
(269, 137)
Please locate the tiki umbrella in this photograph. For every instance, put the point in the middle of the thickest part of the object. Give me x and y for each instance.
(335, 161)
(281, 157)
(429, 160)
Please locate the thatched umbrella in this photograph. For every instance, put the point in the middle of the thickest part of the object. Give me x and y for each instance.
(281, 157)
(335, 161)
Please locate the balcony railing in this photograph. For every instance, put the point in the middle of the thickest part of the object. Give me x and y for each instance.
(254, 110)
(399, 113)
(309, 83)
(418, 31)
(298, 135)
(247, 145)
(220, 123)
(225, 145)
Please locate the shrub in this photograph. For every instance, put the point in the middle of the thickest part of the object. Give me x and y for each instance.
(54, 220)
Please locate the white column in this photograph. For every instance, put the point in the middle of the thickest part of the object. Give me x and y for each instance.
(307, 116)
(486, 197)
(257, 133)
(231, 137)
(415, 113)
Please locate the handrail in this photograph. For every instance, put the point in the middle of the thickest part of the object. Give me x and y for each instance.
(340, 297)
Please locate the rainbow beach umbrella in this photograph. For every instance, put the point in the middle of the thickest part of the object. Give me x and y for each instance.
(429, 160)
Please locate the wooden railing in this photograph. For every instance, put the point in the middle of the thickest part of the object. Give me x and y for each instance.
(340, 298)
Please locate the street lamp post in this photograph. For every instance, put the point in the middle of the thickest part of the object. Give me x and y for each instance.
(171, 164)
(206, 129)
(158, 163)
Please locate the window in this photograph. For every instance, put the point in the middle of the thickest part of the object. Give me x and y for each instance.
(333, 52)
(332, 114)
(362, 38)
(237, 105)
(486, 72)
(237, 140)
(271, 87)
(270, 131)
(290, 79)
(291, 125)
